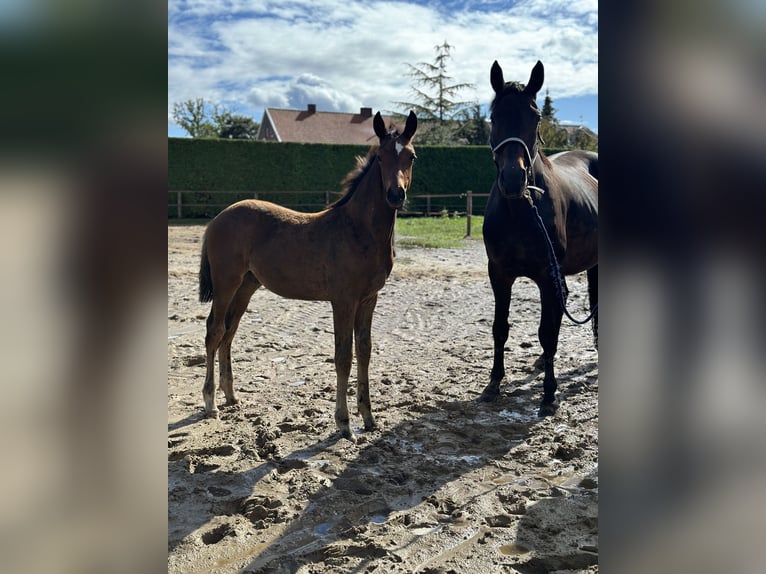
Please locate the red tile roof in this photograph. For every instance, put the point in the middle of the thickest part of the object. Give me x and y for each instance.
(308, 126)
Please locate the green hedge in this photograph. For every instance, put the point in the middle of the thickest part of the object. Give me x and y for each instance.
(200, 165)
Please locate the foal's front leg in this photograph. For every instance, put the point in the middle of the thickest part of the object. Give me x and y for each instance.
(363, 340)
(343, 320)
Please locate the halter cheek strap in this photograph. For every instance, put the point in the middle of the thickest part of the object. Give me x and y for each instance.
(530, 159)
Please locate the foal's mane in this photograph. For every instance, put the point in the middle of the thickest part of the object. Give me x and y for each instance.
(352, 180)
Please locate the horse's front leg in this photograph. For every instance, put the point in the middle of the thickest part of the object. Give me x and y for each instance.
(548, 332)
(363, 341)
(501, 287)
(343, 321)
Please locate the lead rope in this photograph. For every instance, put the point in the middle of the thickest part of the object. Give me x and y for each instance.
(554, 267)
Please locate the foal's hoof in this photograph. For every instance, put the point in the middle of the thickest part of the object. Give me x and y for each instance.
(490, 394)
(548, 409)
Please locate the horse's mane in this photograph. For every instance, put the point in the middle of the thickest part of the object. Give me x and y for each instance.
(510, 88)
(352, 179)
(363, 164)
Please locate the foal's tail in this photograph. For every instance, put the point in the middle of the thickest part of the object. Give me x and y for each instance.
(205, 281)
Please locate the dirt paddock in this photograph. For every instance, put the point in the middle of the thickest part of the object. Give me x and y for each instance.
(444, 484)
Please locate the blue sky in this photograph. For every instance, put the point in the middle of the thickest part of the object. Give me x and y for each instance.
(342, 55)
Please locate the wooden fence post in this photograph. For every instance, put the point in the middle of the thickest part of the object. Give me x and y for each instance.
(468, 212)
(428, 206)
(179, 212)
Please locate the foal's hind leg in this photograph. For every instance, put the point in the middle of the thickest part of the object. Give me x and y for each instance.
(343, 315)
(216, 329)
(363, 340)
(237, 307)
(593, 299)
(548, 332)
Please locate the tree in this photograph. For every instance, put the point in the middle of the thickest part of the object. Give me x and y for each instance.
(192, 116)
(436, 104)
(235, 126)
(476, 129)
(549, 112)
(552, 134)
(585, 139)
(202, 119)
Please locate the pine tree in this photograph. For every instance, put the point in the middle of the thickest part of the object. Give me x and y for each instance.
(549, 112)
(436, 98)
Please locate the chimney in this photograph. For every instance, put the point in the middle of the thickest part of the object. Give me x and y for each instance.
(312, 108)
(366, 112)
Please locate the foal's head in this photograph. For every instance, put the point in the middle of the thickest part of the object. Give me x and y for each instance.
(515, 121)
(396, 156)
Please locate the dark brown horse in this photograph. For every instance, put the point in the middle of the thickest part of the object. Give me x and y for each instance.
(343, 254)
(537, 204)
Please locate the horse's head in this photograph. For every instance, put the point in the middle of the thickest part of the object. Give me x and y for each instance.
(396, 156)
(515, 121)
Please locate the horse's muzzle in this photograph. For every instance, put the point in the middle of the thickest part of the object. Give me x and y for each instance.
(512, 182)
(395, 197)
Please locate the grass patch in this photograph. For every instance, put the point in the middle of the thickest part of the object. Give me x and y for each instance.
(411, 231)
(436, 231)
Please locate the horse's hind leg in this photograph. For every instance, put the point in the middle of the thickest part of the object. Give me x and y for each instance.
(593, 299)
(363, 340)
(216, 329)
(237, 308)
(548, 332)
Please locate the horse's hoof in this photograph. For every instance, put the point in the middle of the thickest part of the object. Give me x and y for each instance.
(213, 414)
(548, 409)
(369, 425)
(232, 402)
(346, 433)
(489, 395)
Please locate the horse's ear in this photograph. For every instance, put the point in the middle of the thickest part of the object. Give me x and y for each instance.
(379, 126)
(410, 127)
(535, 80)
(496, 78)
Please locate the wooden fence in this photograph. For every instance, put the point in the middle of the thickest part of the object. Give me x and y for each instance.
(330, 196)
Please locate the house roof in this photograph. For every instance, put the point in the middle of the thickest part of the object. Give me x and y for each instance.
(311, 126)
(572, 129)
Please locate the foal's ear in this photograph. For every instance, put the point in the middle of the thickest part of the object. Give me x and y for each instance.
(496, 78)
(379, 126)
(535, 80)
(410, 127)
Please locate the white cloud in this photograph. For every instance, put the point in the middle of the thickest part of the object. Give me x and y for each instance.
(310, 89)
(342, 55)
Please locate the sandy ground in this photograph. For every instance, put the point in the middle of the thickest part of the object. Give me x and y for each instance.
(445, 484)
